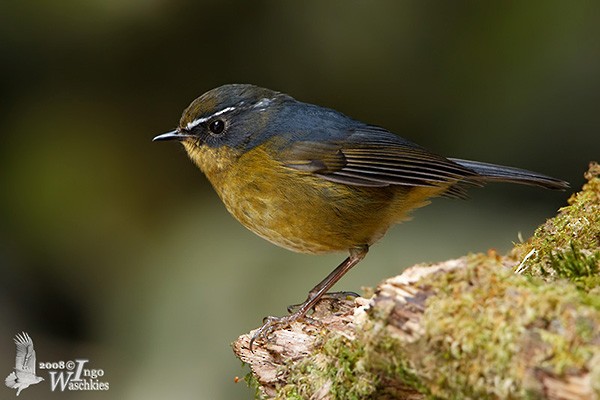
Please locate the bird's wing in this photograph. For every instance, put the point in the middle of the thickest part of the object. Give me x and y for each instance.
(25, 359)
(374, 157)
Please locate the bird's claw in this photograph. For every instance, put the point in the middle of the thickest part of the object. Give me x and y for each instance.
(269, 325)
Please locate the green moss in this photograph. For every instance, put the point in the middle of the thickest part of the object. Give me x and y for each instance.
(568, 245)
(338, 365)
(484, 328)
(486, 324)
(370, 365)
(582, 268)
(254, 384)
(386, 357)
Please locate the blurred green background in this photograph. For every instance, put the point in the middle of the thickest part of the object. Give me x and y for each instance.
(116, 249)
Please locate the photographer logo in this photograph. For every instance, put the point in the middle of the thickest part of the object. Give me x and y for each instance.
(24, 372)
(72, 375)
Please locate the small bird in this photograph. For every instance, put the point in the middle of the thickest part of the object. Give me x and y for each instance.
(24, 373)
(313, 180)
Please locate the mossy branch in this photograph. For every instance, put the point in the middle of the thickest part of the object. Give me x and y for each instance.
(465, 328)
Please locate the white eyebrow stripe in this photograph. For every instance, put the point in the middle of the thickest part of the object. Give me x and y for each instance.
(198, 121)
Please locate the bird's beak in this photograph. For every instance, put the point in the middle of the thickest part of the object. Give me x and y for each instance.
(173, 135)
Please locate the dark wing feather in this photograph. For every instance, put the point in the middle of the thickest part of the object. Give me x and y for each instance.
(374, 157)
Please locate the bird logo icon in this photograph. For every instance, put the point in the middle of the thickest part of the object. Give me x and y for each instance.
(24, 374)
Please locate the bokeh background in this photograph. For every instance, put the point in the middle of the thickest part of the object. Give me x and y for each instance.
(116, 249)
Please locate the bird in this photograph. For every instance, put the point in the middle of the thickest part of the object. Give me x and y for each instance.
(24, 372)
(313, 180)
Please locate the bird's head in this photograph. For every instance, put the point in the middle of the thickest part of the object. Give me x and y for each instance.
(226, 121)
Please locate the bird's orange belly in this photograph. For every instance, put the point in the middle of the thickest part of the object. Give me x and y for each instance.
(306, 213)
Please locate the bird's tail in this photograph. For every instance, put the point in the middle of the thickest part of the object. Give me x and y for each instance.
(498, 173)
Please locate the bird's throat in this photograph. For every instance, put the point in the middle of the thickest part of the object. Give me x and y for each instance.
(213, 162)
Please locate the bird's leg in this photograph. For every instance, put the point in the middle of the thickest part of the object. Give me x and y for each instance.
(316, 293)
(320, 290)
(341, 295)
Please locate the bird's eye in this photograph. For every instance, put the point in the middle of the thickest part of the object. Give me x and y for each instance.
(217, 126)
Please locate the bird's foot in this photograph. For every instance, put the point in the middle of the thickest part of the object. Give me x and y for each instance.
(271, 324)
(311, 312)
